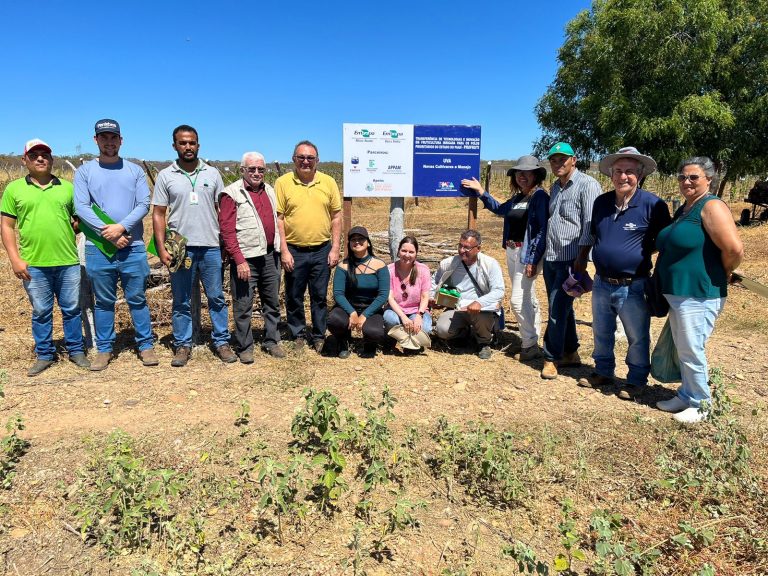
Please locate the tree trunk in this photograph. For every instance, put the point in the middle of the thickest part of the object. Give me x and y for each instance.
(721, 185)
(396, 224)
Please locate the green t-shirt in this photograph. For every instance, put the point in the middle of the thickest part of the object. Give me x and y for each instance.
(42, 215)
(690, 264)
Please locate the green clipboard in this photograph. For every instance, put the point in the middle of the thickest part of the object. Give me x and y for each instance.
(106, 247)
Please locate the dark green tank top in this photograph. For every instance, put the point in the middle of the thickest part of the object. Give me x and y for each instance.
(689, 262)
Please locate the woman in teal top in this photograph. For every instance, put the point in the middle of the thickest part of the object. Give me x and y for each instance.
(697, 254)
(360, 289)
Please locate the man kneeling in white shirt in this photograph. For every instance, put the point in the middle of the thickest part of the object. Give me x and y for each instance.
(479, 280)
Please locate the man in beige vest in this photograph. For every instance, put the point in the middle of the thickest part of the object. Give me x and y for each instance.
(248, 223)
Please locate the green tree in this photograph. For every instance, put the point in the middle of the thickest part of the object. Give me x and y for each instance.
(676, 78)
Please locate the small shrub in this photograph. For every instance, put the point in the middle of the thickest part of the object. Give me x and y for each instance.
(487, 461)
(12, 446)
(120, 501)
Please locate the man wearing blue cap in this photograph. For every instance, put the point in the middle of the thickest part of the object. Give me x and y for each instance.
(117, 188)
(570, 216)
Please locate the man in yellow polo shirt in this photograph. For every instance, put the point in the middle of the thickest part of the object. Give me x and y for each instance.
(309, 221)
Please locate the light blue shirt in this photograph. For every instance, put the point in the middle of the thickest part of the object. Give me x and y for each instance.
(570, 216)
(119, 189)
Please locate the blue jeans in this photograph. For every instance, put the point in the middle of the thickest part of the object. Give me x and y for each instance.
(130, 266)
(63, 282)
(692, 321)
(628, 302)
(391, 319)
(560, 336)
(310, 270)
(205, 264)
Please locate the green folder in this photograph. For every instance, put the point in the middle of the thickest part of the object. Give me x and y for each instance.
(151, 248)
(106, 247)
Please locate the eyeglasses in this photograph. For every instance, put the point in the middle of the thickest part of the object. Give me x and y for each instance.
(357, 240)
(692, 177)
(33, 155)
(305, 158)
(465, 248)
(619, 172)
(252, 170)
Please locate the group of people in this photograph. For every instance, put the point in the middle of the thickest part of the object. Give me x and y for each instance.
(258, 229)
(699, 248)
(198, 224)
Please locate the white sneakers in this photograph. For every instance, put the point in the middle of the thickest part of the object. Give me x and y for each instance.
(674, 404)
(690, 416)
(684, 412)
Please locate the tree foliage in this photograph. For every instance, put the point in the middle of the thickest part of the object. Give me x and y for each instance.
(676, 78)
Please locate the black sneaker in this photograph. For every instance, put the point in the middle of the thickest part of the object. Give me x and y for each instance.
(484, 353)
(369, 350)
(343, 349)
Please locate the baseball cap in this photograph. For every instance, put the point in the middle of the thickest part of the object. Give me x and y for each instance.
(360, 231)
(36, 143)
(107, 125)
(561, 148)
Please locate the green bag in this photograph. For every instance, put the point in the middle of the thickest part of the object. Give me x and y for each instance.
(665, 365)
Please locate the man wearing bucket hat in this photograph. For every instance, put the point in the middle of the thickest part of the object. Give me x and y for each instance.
(625, 223)
(570, 215)
(46, 262)
(118, 190)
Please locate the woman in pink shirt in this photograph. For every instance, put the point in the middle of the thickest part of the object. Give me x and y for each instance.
(410, 283)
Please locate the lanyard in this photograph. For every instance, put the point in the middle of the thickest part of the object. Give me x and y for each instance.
(196, 173)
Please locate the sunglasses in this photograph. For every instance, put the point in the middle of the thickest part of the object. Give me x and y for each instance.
(250, 170)
(404, 288)
(35, 154)
(305, 158)
(692, 177)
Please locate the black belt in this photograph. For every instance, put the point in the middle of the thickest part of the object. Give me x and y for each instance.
(621, 280)
(314, 248)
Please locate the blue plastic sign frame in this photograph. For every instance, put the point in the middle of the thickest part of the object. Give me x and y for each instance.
(442, 157)
(406, 160)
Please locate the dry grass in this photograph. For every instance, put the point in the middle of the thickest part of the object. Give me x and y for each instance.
(594, 449)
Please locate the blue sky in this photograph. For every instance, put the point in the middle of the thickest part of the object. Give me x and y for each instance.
(264, 75)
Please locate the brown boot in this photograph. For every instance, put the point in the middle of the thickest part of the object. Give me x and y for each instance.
(571, 360)
(549, 371)
(181, 357)
(225, 354)
(148, 357)
(101, 361)
(596, 381)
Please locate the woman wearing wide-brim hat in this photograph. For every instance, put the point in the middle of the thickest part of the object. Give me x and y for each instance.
(525, 231)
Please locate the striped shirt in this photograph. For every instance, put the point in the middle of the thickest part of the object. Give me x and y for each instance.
(570, 216)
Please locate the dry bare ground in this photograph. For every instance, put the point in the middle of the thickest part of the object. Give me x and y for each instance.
(549, 462)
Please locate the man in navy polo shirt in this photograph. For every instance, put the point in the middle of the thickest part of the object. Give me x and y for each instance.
(625, 222)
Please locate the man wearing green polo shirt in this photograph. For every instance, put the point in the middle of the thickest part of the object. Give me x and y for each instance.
(46, 258)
